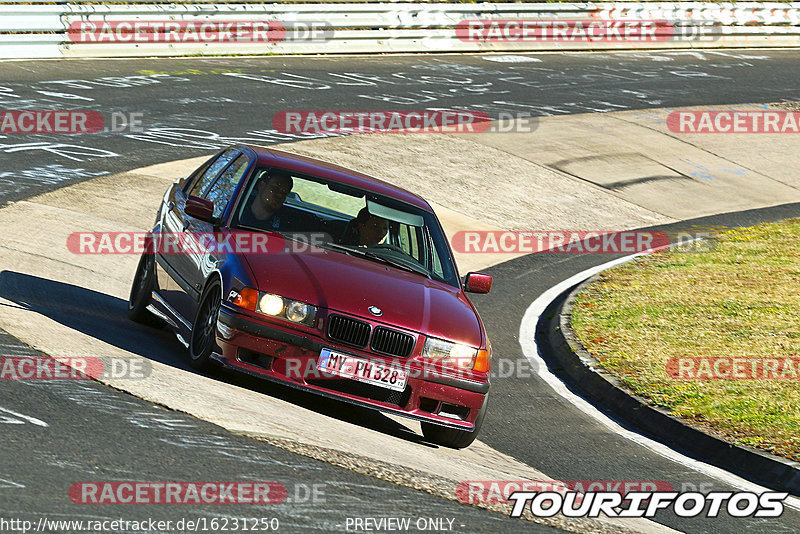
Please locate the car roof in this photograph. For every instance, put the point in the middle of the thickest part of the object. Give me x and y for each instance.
(301, 164)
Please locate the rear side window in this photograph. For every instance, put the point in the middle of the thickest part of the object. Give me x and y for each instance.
(220, 193)
(408, 240)
(201, 186)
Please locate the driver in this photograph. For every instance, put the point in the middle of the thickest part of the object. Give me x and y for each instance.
(265, 209)
(366, 229)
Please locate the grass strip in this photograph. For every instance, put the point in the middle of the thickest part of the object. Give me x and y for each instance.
(739, 300)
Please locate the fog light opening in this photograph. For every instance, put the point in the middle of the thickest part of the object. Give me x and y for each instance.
(428, 405)
(453, 411)
(254, 358)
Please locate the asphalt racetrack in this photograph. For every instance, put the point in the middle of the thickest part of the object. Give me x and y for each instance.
(190, 107)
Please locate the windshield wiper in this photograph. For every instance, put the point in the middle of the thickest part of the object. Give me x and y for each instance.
(372, 256)
(399, 265)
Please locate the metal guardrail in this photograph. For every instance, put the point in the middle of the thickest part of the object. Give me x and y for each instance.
(40, 30)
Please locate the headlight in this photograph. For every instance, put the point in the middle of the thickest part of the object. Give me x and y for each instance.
(274, 306)
(452, 354)
(293, 310)
(270, 304)
(298, 311)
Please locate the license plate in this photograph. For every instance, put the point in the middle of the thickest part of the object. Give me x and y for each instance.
(367, 371)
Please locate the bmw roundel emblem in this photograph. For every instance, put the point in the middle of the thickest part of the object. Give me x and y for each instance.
(374, 310)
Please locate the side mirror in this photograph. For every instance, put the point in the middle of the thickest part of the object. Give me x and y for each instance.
(199, 208)
(478, 283)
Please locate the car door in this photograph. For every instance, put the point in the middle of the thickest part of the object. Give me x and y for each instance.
(201, 263)
(175, 268)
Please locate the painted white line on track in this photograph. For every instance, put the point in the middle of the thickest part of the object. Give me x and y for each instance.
(530, 349)
(27, 418)
(511, 58)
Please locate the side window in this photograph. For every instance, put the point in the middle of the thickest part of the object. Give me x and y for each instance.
(200, 187)
(438, 270)
(220, 193)
(408, 240)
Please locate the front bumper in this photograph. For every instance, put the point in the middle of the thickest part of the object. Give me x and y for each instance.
(278, 353)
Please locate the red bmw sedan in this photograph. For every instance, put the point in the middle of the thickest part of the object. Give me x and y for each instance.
(322, 278)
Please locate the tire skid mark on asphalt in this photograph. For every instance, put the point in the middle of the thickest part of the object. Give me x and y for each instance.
(178, 429)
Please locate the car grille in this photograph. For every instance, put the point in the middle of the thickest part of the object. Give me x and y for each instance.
(392, 342)
(349, 331)
(367, 391)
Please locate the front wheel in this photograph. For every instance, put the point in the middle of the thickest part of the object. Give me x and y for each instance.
(141, 291)
(204, 339)
(452, 437)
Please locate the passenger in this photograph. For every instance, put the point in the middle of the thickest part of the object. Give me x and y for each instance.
(366, 229)
(265, 209)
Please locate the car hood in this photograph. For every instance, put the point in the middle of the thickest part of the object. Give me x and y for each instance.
(349, 284)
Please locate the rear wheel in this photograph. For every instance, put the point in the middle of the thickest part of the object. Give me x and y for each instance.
(204, 339)
(141, 291)
(454, 438)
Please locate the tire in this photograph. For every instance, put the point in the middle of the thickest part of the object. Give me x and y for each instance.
(451, 437)
(141, 291)
(204, 328)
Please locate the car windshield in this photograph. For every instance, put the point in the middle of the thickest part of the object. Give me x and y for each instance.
(350, 220)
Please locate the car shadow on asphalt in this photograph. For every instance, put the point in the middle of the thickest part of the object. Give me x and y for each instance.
(104, 317)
